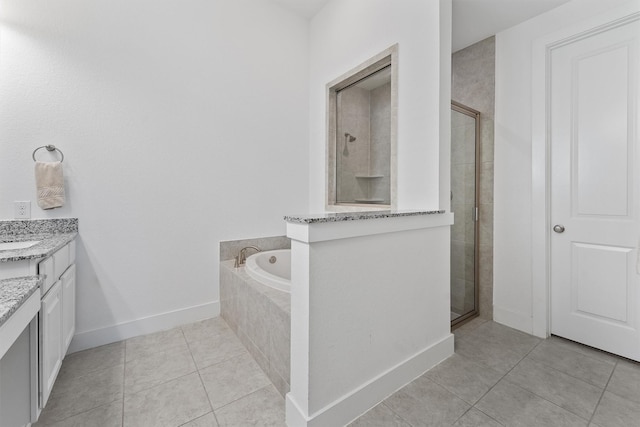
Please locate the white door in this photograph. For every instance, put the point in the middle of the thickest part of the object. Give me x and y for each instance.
(595, 181)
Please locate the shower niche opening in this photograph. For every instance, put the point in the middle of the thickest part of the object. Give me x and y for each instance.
(361, 136)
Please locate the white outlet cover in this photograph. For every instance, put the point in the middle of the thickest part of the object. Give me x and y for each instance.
(22, 210)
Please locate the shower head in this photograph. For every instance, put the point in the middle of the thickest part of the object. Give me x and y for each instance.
(350, 138)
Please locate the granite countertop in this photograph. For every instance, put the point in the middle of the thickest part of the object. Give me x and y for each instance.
(14, 292)
(51, 234)
(354, 216)
(48, 244)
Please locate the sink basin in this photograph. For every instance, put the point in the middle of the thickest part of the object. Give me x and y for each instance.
(10, 246)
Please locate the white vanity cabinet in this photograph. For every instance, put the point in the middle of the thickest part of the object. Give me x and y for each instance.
(57, 315)
(52, 330)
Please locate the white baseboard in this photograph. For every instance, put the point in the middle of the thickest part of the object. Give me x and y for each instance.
(349, 407)
(519, 321)
(146, 325)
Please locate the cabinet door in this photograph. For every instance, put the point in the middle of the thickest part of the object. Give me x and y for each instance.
(68, 281)
(50, 340)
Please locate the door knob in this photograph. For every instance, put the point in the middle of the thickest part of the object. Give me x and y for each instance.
(558, 228)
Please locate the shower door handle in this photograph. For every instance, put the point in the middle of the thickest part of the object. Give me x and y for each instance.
(558, 228)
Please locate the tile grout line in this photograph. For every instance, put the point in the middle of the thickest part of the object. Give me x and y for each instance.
(502, 378)
(568, 374)
(240, 398)
(80, 413)
(164, 380)
(604, 389)
(463, 414)
(435, 382)
(172, 379)
(548, 401)
(201, 380)
(475, 362)
(576, 378)
(213, 411)
(124, 378)
(93, 407)
(553, 403)
(573, 376)
(588, 354)
(392, 411)
(615, 363)
(473, 407)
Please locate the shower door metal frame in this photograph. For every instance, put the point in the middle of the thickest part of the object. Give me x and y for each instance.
(468, 111)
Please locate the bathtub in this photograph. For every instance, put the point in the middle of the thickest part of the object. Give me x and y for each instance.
(271, 268)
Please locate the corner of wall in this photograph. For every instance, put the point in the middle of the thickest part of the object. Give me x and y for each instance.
(445, 103)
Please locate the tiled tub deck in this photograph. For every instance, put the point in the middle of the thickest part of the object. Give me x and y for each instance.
(261, 317)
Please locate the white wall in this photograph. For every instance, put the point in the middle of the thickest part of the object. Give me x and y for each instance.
(346, 33)
(513, 160)
(369, 312)
(183, 123)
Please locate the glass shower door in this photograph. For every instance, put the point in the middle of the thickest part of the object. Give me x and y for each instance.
(465, 146)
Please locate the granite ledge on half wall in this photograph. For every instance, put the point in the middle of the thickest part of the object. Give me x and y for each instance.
(354, 216)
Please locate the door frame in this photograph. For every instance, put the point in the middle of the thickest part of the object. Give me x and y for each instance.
(540, 153)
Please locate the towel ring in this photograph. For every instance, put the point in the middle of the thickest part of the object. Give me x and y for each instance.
(49, 148)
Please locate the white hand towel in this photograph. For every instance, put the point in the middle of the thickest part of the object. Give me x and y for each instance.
(49, 184)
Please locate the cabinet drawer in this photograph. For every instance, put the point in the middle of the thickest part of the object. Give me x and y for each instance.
(61, 260)
(54, 266)
(72, 252)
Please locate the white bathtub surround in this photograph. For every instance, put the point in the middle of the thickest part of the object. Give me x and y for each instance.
(369, 309)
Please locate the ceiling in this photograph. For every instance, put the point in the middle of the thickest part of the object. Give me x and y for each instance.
(473, 20)
(304, 8)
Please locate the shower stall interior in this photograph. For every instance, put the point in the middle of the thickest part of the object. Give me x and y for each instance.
(363, 141)
(465, 153)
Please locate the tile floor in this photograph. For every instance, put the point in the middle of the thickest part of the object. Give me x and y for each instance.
(201, 375)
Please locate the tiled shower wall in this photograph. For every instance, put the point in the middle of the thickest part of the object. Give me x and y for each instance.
(473, 84)
(380, 143)
(365, 114)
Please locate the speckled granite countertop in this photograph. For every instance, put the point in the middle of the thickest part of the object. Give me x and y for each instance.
(353, 216)
(52, 234)
(14, 292)
(16, 227)
(48, 244)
